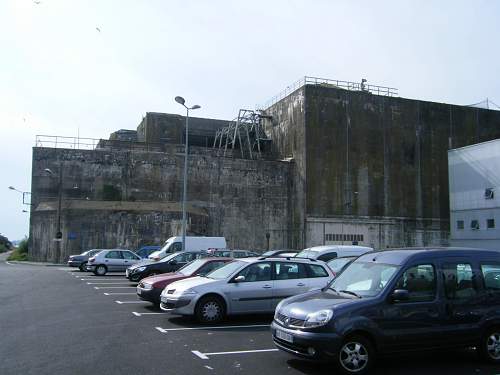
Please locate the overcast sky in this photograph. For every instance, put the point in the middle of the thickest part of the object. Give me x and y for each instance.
(60, 75)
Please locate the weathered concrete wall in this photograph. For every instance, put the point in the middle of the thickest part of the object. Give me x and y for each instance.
(381, 157)
(371, 155)
(377, 161)
(130, 198)
(287, 130)
(170, 128)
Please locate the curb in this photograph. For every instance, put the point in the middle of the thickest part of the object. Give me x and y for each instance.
(37, 263)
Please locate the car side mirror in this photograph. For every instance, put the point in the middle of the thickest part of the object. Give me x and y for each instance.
(172, 262)
(400, 295)
(239, 279)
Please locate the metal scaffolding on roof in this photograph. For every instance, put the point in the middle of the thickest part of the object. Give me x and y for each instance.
(244, 132)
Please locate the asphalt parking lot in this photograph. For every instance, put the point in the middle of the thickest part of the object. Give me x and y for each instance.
(58, 320)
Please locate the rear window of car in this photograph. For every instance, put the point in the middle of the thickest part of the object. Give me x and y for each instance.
(315, 270)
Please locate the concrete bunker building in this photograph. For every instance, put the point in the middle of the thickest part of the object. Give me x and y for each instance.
(337, 163)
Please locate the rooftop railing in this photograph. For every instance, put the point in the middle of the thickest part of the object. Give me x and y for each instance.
(346, 85)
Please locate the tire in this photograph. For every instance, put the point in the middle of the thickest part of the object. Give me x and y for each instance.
(356, 355)
(489, 348)
(82, 267)
(100, 270)
(135, 279)
(210, 309)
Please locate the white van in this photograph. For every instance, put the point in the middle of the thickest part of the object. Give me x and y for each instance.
(328, 252)
(193, 243)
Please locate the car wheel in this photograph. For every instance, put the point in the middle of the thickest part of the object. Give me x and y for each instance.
(490, 345)
(135, 278)
(82, 267)
(100, 270)
(210, 309)
(356, 355)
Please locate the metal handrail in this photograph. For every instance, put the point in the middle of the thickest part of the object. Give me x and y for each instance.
(346, 85)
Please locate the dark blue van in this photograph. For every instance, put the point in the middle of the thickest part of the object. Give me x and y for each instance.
(145, 251)
(394, 301)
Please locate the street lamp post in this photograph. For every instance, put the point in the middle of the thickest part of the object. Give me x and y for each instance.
(24, 193)
(181, 101)
(58, 236)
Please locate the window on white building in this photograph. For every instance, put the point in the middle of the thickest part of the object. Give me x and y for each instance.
(474, 224)
(490, 223)
(460, 224)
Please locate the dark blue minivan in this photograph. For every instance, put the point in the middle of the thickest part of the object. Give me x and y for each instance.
(394, 301)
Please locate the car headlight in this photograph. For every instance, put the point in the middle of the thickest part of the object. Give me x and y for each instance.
(147, 286)
(189, 292)
(318, 318)
(139, 269)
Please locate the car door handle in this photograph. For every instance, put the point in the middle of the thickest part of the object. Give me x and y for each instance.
(126, 261)
(301, 284)
(267, 286)
(105, 260)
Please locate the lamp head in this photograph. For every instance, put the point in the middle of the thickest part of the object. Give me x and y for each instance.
(180, 100)
(12, 188)
(196, 106)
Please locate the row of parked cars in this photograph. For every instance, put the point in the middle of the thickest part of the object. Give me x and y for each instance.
(344, 304)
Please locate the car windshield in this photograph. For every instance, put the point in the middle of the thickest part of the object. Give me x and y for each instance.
(307, 254)
(337, 263)
(364, 279)
(166, 245)
(189, 268)
(225, 271)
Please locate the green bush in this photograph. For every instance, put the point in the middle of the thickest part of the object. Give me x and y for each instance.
(18, 255)
(21, 252)
(23, 246)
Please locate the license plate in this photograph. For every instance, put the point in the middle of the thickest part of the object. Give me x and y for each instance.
(139, 291)
(284, 336)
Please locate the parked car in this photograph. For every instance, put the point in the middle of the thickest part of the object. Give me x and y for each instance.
(328, 252)
(81, 260)
(393, 301)
(280, 253)
(150, 288)
(111, 260)
(193, 243)
(170, 263)
(145, 251)
(337, 265)
(244, 286)
(235, 253)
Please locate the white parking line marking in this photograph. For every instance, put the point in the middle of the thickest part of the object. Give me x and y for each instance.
(115, 287)
(10, 264)
(206, 355)
(114, 294)
(122, 302)
(119, 283)
(165, 330)
(200, 355)
(152, 313)
(92, 279)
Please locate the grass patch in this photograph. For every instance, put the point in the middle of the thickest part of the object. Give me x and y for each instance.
(18, 255)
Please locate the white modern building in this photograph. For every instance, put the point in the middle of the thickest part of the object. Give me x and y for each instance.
(474, 177)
